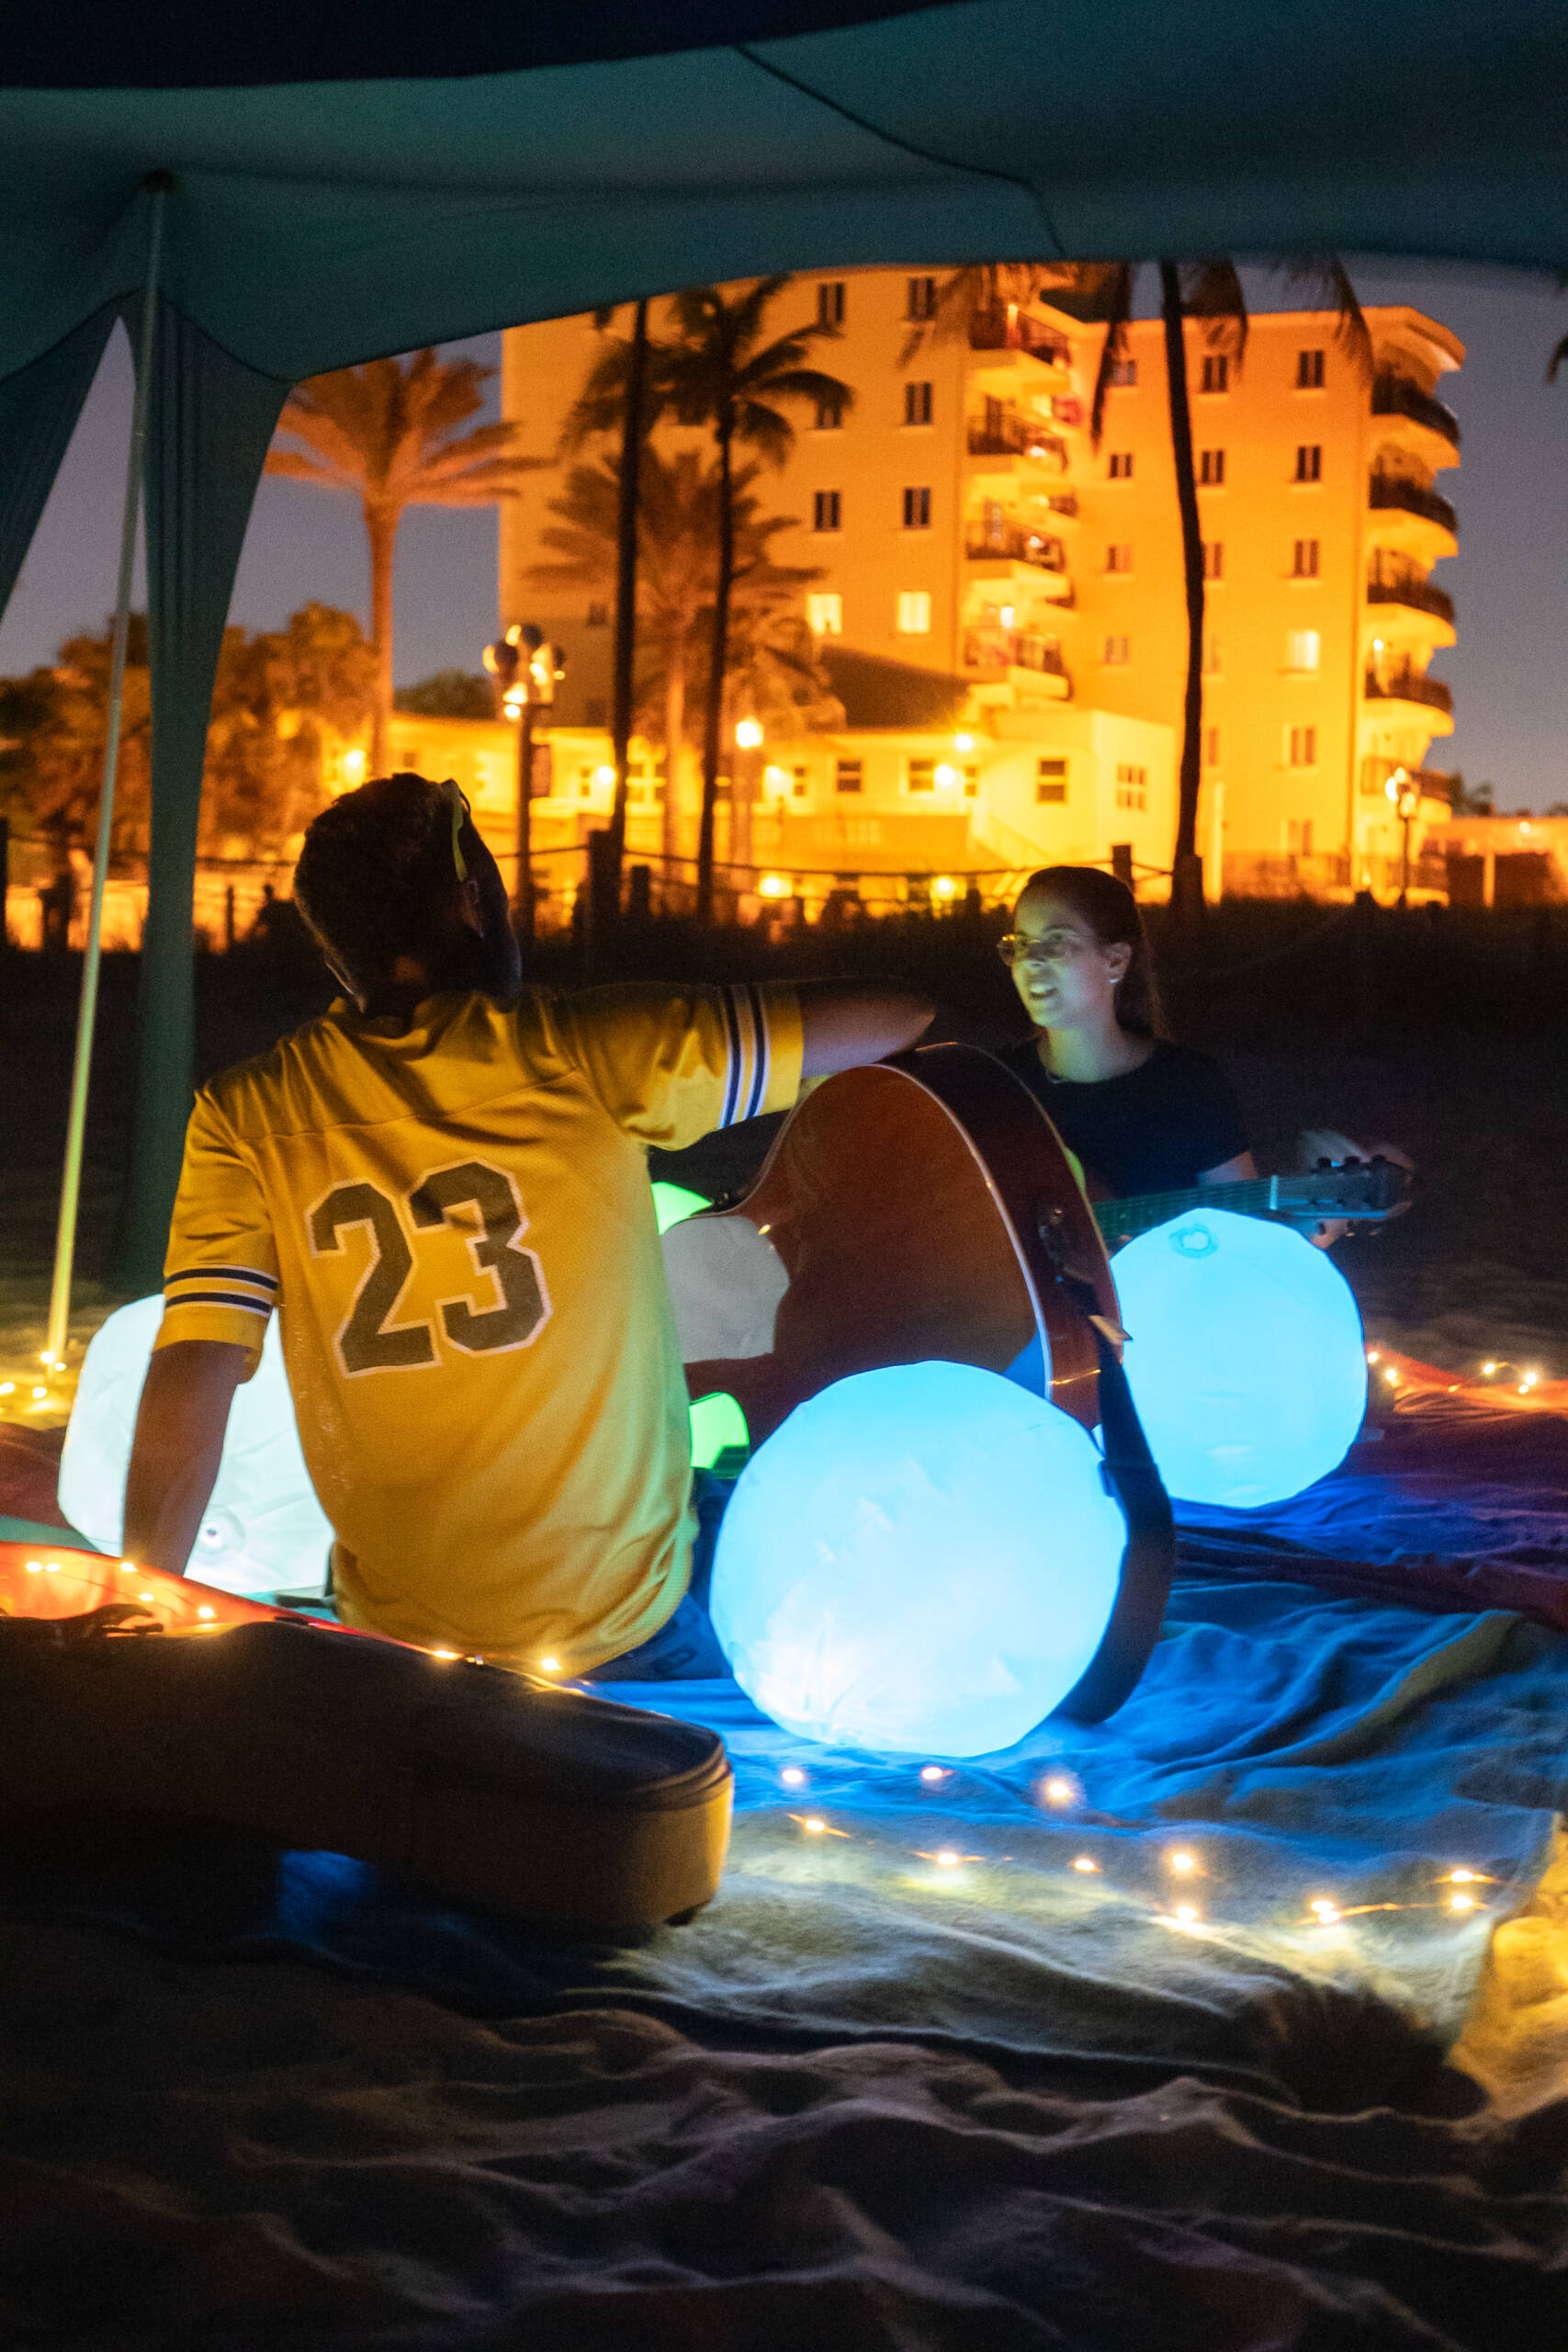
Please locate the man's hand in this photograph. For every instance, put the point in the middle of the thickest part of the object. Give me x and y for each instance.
(846, 1023)
(180, 1427)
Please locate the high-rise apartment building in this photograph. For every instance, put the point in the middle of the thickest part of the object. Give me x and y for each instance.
(960, 519)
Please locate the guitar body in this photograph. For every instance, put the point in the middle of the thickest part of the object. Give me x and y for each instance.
(920, 1208)
(925, 1208)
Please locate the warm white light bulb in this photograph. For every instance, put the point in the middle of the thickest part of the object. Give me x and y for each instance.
(815, 1827)
(949, 1860)
(792, 1777)
(1184, 1913)
(1084, 1863)
(550, 1665)
(1058, 1793)
(932, 1772)
(1182, 1863)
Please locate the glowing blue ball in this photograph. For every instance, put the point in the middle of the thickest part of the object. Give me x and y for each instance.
(1246, 1359)
(263, 1531)
(921, 1559)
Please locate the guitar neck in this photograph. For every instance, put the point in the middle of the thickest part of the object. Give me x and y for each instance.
(1123, 1220)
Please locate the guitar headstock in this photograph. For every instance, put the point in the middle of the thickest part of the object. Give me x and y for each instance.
(1360, 1191)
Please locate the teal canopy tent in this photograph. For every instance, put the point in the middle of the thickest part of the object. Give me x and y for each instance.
(346, 180)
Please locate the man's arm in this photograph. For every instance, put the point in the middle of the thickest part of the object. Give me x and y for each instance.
(846, 1022)
(180, 1427)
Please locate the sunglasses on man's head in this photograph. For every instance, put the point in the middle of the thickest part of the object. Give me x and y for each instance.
(461, 815)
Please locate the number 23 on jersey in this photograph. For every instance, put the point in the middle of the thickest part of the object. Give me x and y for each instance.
(515, 1304)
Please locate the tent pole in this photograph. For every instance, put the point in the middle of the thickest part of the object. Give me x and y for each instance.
(86, 1010)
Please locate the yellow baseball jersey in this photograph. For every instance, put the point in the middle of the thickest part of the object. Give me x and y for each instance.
(453, 1222)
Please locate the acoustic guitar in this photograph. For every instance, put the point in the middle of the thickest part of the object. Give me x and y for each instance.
(1352, 1191)
(924, 1209)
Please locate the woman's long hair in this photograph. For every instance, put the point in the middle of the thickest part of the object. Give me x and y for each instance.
(1111, 913)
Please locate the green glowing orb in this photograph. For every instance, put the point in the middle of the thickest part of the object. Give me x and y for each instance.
(673, 1201)
(716, 1422)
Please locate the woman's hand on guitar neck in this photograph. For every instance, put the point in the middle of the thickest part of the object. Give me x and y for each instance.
(847, 1023)
(1326, 1143)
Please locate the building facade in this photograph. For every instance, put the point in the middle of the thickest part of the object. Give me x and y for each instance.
(959, 521)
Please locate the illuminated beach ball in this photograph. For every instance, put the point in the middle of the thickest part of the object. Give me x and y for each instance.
(921, 1559)
(1246, 1359)
(263, 1531)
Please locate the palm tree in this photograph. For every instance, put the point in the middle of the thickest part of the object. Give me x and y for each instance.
(1210, 291)
(678, 531)
(387, 435)
(624, 393)
(719, 375)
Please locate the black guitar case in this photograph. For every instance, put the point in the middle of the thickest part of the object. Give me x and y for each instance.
(498, 1792)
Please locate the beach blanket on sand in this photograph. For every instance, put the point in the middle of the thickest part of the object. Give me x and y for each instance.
(916, 2078)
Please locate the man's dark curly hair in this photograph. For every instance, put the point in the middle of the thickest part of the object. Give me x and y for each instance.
(376, 877)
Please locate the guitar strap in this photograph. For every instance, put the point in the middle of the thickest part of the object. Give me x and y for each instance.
(1150, 1556)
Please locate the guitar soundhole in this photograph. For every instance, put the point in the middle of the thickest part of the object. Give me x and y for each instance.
(1194, 1242)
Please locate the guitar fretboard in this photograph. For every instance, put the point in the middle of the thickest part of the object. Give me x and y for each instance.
(1257, 1197)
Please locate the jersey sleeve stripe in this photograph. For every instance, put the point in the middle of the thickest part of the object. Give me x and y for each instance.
(224, 1273)
(732, 1079)
(222, 1298)
(760, 1052)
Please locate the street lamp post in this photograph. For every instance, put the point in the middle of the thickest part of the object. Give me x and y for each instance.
(527, 670)
(1406, 795)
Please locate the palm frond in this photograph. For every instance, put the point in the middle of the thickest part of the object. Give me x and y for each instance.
(1212, 291)
(1324, 279)
(1111, 294)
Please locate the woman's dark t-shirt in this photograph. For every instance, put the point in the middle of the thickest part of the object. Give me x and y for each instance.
(1157, 1129)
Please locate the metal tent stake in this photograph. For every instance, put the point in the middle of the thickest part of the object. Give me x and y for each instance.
(86, 1010)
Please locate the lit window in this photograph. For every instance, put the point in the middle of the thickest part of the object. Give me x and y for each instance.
(921, 776)
(1119, 465)
(1123, 373)
(916, 509)
(1116, 652)
(1305, 563)
(825, 510)
(1216, 373)
(1303, 747)
(1211, 468)
(1303, 648)
(849, 776)
(1213, 559)
(1309, 461)
(914, 613)
(971, 784)
(1309, 371)
(1132, 786)
(1119, 556)
(830, 303)
(824, 614)
(917, 403)
(1298, 836)
(798, 780)
(830, 414)
(921, 297)
(1051, 782)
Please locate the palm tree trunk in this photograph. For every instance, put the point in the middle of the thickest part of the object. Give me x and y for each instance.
(1186, 881)
(675, 744)
(713, 728)
(381, 527)
(626, 580)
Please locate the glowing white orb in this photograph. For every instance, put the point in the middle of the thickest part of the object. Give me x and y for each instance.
(1246, 1360)
(263, 1531)
(920, 1559)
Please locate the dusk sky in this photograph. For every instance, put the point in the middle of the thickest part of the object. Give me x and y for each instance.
(1510, 579)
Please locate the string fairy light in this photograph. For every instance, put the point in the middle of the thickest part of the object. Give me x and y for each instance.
(1085, 1862)
(1182, 1861)
(792, 1777)
(933, 1773)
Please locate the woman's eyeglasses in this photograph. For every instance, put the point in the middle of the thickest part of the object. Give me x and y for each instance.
(1014, 948)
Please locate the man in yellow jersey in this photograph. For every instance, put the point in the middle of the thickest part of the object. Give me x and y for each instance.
(441, 1186)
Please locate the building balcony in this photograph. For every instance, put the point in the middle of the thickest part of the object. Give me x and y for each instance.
(1396, 396)
(1002, 328)
(993, 653)
(1420, 596)
(1408, 685)
(1013, 542)
(1392, 492)
(1012, 435)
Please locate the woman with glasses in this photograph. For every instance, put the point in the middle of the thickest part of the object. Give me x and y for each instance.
(1143, 1113)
